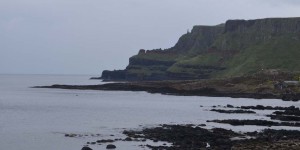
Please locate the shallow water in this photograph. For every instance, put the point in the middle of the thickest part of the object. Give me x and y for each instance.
(39, 118)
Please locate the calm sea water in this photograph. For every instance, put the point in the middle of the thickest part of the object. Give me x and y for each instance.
(35, 119)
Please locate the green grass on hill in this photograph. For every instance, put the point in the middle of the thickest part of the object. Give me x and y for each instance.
(279, 53)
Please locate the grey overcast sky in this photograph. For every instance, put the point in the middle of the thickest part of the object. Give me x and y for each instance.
(88, 36)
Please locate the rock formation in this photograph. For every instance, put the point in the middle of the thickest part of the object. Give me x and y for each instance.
(238, 47)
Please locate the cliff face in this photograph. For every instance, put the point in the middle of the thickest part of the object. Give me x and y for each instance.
(199, 39)
(235, 48)
(269, 25)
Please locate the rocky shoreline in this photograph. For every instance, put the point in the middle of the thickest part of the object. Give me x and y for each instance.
(195, 137)
(288, 116)
(239, 87)
(191, 136)
(202, 137)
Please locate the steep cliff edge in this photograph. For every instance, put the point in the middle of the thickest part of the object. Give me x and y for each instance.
(238, 47)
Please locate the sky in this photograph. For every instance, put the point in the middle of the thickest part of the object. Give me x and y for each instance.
(89, 36)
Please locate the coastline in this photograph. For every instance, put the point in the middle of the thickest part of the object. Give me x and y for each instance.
(241, 87)
(210, 92)
(186, 136)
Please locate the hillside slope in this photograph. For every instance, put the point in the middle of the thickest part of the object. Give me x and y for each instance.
(238, 47)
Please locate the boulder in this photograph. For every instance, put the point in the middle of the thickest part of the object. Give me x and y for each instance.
(86, 148)
(110, 146)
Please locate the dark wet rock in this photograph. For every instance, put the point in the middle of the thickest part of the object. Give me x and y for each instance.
(110, 146)
(284, 117)
(128, 139)
(185, 137)
(289, 111)
(105, 141)
(70, 135)
(224, 132)
(229, 106)
(233, 111)
(280, 134)
(236, 122)
(192, 138)
(258, 107)
(86, 148)
(261, 107)
(142, 146)
(158, 147)
(201, 125)
(190, 125)
(290, 114)
(271, 139)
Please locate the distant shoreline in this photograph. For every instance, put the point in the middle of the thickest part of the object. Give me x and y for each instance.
(167, 91)
(235, 88)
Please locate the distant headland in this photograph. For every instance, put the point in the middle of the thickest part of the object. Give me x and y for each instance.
(234, 48)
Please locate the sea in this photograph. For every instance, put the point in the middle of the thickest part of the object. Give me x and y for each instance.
(39, 119)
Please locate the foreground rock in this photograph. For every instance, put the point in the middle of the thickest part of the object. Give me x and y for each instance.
(105, 141)
(233, 111)
(290, 114)
(186, 137)
(193, 137)
(261, 107)
(290, 111)
(271, 140)
(110, 146)
(236, 122)
(86, 148)
(284, 117)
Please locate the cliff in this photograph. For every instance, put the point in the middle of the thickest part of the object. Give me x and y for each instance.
(238, 47)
